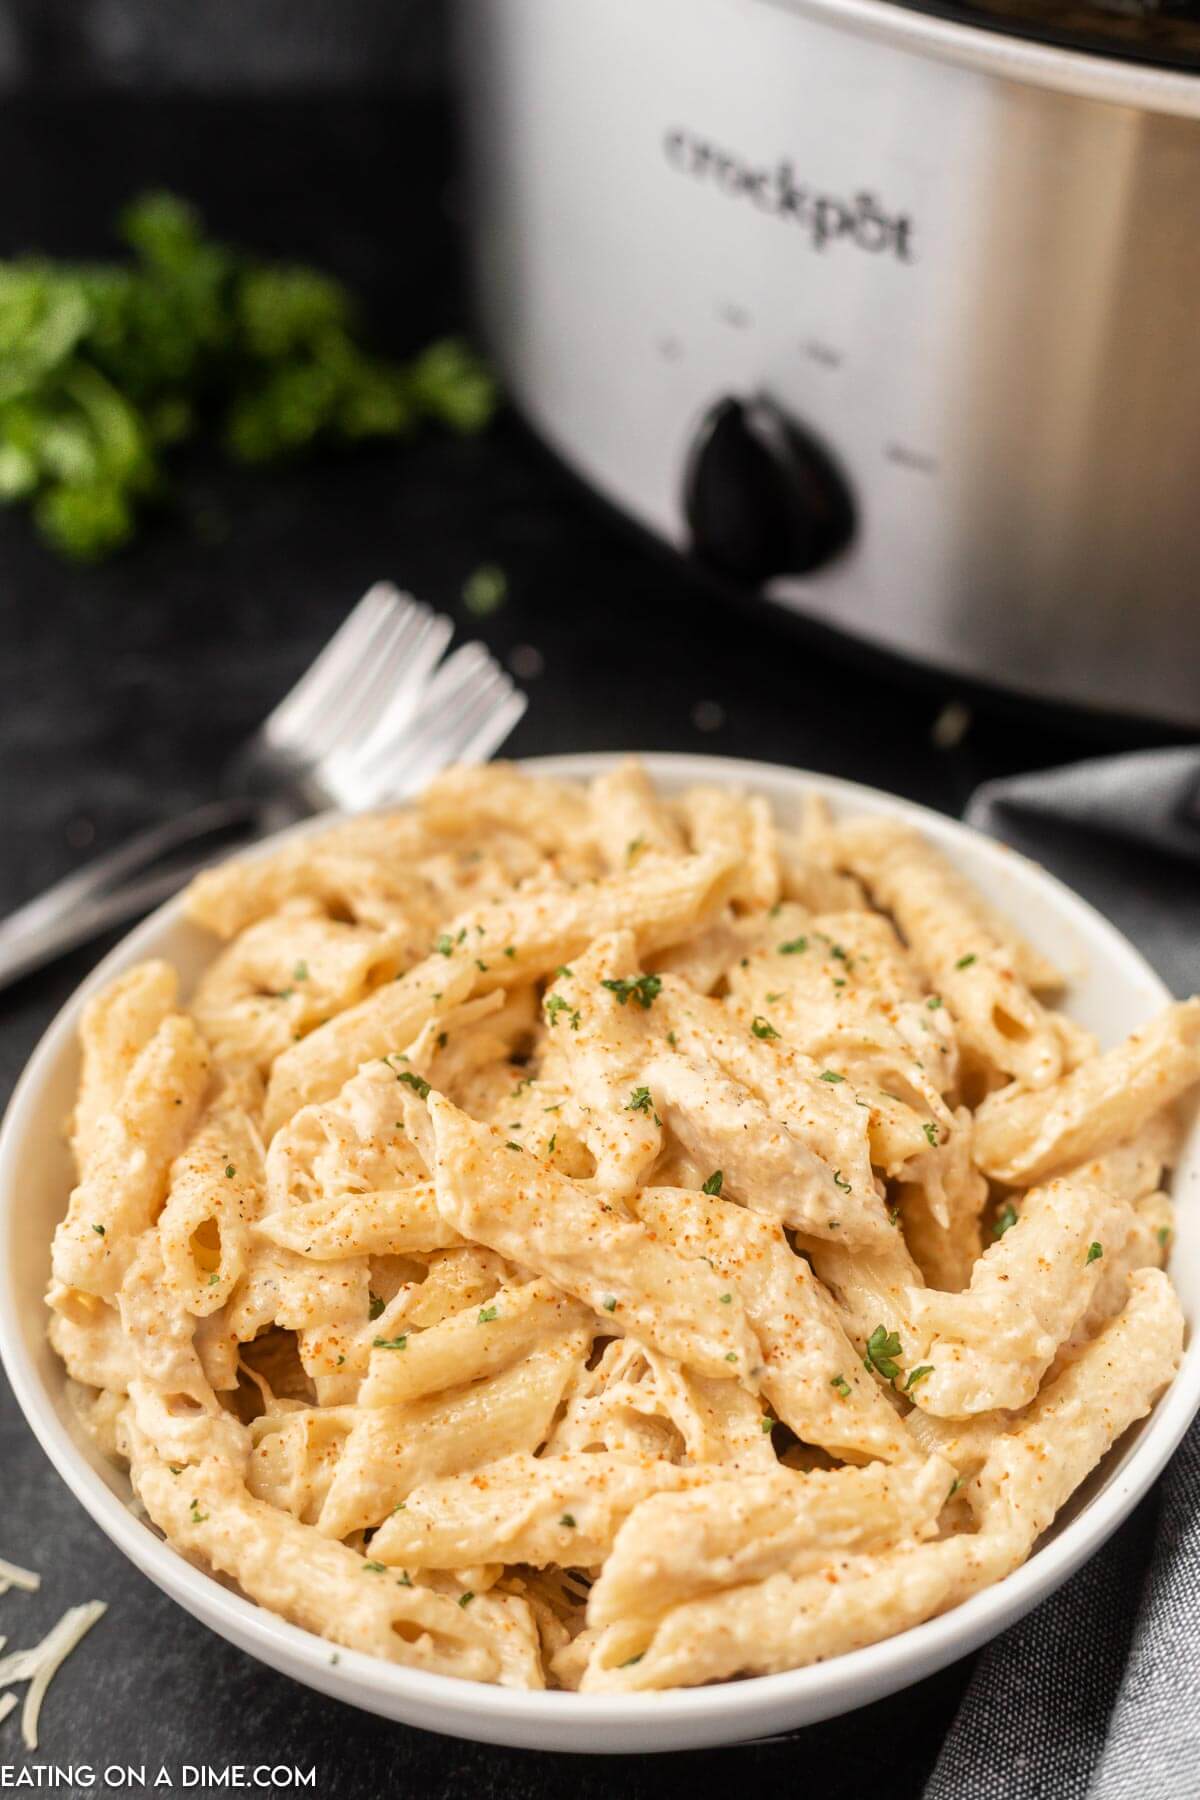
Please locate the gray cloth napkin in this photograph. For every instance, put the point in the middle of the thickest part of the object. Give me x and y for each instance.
(1124, 831)
(1096, 1695)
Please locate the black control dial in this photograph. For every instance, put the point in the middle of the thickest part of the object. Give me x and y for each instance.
(761, 496)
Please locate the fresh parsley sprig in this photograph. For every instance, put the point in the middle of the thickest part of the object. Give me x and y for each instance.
(883, 1347)
(644, 989)
(105, 367)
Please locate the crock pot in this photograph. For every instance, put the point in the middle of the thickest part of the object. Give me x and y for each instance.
(889, 314)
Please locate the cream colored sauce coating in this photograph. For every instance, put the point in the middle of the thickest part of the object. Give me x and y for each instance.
(582, 1237)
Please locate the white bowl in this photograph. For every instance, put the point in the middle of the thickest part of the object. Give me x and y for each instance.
(1113, 992)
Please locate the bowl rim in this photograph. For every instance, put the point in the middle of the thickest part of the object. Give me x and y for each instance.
(728, 1711)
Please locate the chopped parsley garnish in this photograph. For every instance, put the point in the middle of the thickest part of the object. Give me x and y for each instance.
(793, 947)
(933, 1002)
(563, 973)
(1005, 1221)
(836, 950)
(481, 966)
(525, 1081)
(568, 1519)
(671, 1039)
(484, 590)
(838, 1182)
(883, 1347)
(198, 1517)
(487, 1314)
(554, 1005)
(630, 1660)
(404, 1579)
(841, 1384)
(964, 962)
(445, 945)
(417, 1083)
(509, 1144)
(374, 1568)
(731, 1356)
(551, 1144)
(214, 1278)
(715, 1182)
(633, 846)
(931, 1132)
(510, 950)
(640, 1101)
(375, 1308)
(1094, 1251)
(766, 1425)
(466, 1599)
(726, 1299)
(230, 1171)
(396, 1343)
(918, 1375)
(644, 989)
(762, 1028)
(300, 972)
(831, 1075)
(99, 1230)
(1163, 1234)
(772, 998)
(609, 1303)
(954, 1487)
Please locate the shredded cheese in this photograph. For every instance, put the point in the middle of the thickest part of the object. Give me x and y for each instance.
(13, 1577)
(41, 1663)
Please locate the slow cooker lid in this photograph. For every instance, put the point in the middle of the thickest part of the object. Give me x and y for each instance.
(1166, 32)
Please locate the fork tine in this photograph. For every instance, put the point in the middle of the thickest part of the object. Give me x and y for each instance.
(472, 733)
(366, 686)
(407, 679)
(448, 688)
(491, 732)
(350, 687)
(283, 723)
(469, 703)
(491, 725)
(301, 708)
(291, 720)
(340, 763)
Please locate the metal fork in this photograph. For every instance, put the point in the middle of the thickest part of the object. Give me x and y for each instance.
(371, 721)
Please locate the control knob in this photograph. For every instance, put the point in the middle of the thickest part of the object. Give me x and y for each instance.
(761, 496)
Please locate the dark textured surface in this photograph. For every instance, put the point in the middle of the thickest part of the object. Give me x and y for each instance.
(221, 45)
(122, 689)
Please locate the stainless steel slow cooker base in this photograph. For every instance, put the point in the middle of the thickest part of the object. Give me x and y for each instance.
(966, 268)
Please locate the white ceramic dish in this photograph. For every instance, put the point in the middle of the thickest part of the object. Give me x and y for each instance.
(1114, 990)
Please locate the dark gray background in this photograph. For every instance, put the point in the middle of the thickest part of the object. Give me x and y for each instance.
(121, 690)
(222, 45)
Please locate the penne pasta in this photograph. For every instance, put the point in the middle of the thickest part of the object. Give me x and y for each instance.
(595, 1237)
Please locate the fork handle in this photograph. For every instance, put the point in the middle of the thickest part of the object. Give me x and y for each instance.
(121, 884)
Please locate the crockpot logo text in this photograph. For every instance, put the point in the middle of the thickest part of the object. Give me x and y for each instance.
(825, 218)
